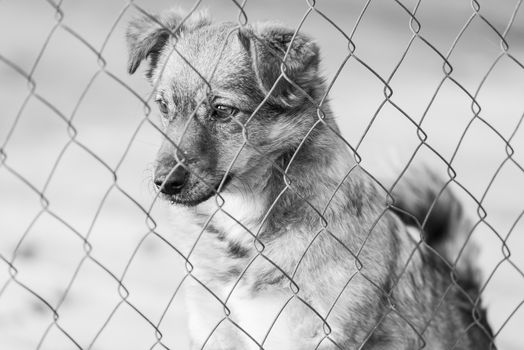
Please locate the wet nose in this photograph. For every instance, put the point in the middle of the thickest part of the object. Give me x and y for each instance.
(171, 181)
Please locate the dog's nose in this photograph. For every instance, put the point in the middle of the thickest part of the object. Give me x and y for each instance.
(172, 184)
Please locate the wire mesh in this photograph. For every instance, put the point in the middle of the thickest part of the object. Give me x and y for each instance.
(90, 260)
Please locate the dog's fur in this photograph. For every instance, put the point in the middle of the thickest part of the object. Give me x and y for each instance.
(299, 248)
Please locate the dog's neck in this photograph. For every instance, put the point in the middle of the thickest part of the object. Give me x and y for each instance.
(314, 171)
(311, 172)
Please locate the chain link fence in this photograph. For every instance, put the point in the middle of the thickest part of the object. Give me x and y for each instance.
(90, 260)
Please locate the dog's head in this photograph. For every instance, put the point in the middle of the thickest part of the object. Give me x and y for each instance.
(227, 109)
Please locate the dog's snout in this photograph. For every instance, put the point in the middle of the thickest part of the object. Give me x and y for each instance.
(171, 181)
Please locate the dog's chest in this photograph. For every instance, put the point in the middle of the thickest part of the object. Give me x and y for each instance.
(259, 297)
(274, 318)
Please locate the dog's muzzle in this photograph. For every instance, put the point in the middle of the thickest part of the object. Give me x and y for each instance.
(171, 181)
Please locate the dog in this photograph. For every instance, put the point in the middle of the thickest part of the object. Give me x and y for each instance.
(291, 243)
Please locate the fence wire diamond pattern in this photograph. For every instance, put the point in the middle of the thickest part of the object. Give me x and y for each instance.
(88, 258)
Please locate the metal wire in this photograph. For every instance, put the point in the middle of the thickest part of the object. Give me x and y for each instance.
(414, 24)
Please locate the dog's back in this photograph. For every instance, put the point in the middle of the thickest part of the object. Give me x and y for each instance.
(424, 201)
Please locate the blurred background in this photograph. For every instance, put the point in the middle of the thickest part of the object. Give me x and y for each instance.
(76, 152)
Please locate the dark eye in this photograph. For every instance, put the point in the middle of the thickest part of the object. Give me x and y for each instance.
(162, 105)
(224, 112)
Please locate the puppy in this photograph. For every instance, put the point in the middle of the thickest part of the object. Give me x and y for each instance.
(291, 244)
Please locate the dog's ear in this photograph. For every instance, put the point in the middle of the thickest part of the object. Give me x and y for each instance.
(268, 46)
(147, 35)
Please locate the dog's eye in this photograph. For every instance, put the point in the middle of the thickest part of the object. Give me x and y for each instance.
(224, 112)
(164, 109)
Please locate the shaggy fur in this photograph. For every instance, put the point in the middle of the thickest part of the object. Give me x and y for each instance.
(294, 245)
